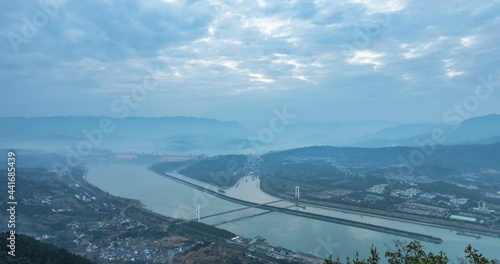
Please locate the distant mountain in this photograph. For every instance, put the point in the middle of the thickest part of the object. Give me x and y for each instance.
(187, 135)
(492, 140)
(163, 134)
(451, 157)
(398, 132)
(333, 133)
(473, 130)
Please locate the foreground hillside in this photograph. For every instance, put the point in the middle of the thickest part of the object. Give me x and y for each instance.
(29, 250)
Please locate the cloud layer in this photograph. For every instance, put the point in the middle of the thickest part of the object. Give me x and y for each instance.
(326, 60)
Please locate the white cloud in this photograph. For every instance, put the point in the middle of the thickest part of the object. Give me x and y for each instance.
(211, 29)
(408, 77)
(366, 57)
(257, 77)
(293, 62)
(414, 51)
(452, 73)
(219, 62)
(449, 68)
(268, 26)
(468, 41)
(229, 64)
(301, 77)
(261, 3)
(375, 6)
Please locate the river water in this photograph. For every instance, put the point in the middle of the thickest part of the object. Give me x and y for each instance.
(165, 196)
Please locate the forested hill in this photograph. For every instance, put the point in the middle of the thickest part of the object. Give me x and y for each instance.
(458, 155)
(29, 250)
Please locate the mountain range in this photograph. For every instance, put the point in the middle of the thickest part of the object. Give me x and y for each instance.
(188, 135)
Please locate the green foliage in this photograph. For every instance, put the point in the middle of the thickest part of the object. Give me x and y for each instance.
(413, 253)
(210, 230)
(222, 171)
(474, 257)
(374, 257)
(29, 250)
(329, 260)
(409, 253)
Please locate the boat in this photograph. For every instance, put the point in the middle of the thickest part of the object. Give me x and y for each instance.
(222, 191)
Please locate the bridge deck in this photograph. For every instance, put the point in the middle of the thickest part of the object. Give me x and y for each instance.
(236, 210)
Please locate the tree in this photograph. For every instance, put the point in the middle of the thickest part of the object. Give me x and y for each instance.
(474, 257)
(374, 257)
(329, 260)
(409, 253)
(413, 253)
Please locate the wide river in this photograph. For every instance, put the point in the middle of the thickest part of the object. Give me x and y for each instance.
(170, 198)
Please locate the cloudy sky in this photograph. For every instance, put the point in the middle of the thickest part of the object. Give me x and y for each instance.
(394, 60)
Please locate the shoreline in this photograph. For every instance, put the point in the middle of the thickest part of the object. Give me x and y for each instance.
(383, 229)
(172, 220)
(137, 203)
(358, 210)
(386, 215)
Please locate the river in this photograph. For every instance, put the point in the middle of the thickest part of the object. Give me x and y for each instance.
(165, 196)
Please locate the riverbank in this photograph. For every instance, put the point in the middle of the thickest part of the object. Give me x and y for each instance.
(197, 231)
(392, 231)
(134, 202)
(395, 216)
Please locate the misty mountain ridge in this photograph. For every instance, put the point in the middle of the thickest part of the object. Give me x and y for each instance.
(189, 135)
(471, 131)
(171, 134)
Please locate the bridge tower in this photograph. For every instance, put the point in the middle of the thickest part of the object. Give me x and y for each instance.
(198, 212)
(297, 192)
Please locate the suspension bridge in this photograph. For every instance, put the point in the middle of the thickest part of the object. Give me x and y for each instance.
(268, 207)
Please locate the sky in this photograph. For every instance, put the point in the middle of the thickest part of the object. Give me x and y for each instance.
(324, 61)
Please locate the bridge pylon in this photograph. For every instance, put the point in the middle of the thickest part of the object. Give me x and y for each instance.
(198, 212)
(297, 192)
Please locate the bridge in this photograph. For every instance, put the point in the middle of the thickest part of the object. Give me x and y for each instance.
(297, 206)
(246, 217)
(198, 218)
(269, 207)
